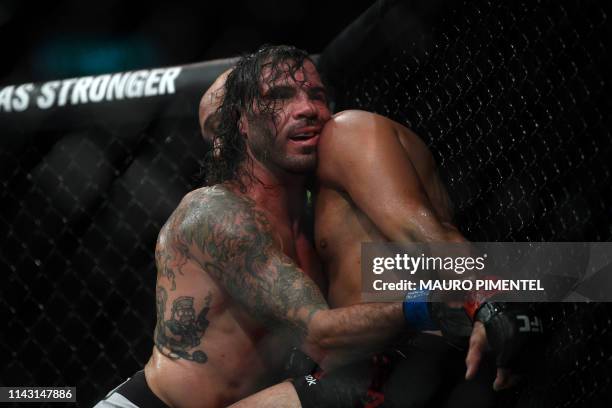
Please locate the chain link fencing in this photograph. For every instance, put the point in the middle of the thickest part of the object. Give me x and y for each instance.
(85, 190)
(511, 97)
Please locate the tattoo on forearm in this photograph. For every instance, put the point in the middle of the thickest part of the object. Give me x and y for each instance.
(177, 336)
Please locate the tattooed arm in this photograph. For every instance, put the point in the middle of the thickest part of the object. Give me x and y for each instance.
(231, 240)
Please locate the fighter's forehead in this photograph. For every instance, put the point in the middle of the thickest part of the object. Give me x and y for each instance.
(287, 72)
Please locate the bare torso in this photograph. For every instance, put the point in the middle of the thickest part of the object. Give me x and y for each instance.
(341, 227)
(209, 352)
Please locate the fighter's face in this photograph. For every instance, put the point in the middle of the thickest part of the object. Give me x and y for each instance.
(284, 130)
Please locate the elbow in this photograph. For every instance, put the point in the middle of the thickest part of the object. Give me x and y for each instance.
(452, 233)
(424, 226)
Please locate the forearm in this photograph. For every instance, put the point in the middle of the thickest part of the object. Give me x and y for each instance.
(363, 326)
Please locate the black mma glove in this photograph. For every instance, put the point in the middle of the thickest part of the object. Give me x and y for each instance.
(514, 332)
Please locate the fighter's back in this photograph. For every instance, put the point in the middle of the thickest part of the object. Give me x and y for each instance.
(363, 159)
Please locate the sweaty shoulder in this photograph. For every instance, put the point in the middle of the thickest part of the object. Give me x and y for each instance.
(354, 136)
(348, 137)
(347, 125)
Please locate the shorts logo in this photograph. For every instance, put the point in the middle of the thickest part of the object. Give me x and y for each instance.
(529, 326)
(310, 380)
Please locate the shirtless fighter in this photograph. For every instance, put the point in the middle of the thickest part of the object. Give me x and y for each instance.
(237, 274)
(377, 181)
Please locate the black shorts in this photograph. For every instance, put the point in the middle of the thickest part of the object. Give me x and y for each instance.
(422, 371)
(358, 384)
(134, 391)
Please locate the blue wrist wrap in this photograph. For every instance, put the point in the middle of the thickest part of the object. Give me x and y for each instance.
(417, 312)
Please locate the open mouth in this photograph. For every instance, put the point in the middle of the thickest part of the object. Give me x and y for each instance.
(303, 136)
(306, 135)
(305, 140)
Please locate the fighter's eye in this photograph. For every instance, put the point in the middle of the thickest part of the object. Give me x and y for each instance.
(279, 93)
(319, 96)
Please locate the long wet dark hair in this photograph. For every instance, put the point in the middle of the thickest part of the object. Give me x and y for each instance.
(242, 93)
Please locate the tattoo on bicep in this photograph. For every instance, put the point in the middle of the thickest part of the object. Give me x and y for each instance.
(170, 259)
(163, 259)
(177, 336)
(240, 252)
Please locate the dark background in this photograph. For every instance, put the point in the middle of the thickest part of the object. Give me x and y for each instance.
(58, 39)
(513, 99)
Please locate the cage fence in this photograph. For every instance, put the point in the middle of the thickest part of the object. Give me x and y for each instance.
(511, 97)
